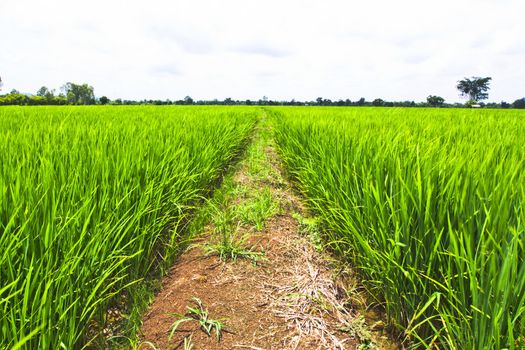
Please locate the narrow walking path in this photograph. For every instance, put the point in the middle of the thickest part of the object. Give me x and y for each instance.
(256, 277)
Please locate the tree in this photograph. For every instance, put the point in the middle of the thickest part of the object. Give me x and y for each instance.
(378, 102)
(79, 94)
(104, 100)
(42, 91)
(46, 93)
(519, 103)
(506, 105)
(188, 100)
(1, 84)
(474, 88)
(323, 101)
(435, 101)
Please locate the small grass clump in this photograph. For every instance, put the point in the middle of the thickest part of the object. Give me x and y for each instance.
(201, 315)
(309, 226)
(258, 209)
(231, 244)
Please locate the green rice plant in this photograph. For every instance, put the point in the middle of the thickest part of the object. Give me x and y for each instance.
(429, 205)
(94, 202)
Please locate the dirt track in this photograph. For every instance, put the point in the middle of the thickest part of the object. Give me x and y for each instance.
(291, 299)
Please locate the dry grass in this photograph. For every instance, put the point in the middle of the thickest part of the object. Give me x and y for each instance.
(312, 301)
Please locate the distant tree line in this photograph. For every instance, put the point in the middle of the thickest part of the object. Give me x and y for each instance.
(474, 88)
(432, 101)
(71, 94)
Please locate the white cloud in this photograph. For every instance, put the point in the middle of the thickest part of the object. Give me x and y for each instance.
(396, 50)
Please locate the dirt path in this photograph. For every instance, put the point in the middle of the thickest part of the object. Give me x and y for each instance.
(254, 276)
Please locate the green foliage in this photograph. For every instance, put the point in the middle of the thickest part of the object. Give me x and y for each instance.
(231, 244)
(16, 98)
(238, 204)
(309, 226)
(232, 247)
(47, 94)
(519, 104)
(378, 102)
(200, 314)
(79, 94)
(471, 103)
(260, 208)
(104, 100)
(435, 101)
(429, 205)
(91, 202)
(474, 88)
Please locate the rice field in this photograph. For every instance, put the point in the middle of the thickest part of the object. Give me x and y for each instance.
(429, 205)
(91, 202)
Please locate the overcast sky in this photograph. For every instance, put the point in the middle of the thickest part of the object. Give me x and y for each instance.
(243, 49)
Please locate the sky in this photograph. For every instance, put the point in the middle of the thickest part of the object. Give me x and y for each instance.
(245, 49)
